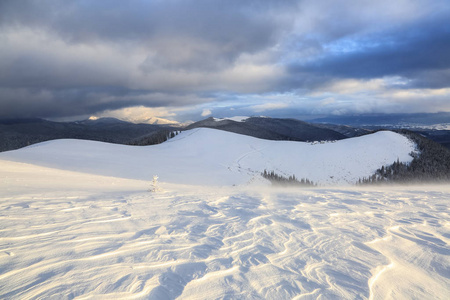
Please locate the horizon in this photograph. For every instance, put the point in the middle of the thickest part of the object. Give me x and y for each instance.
(188, 60)
(307, 118)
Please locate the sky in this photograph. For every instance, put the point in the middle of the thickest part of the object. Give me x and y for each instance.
(187, 60)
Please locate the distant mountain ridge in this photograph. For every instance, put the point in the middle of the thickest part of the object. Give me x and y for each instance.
(387, 119)
(434, 126)
(271, 129)
(18, 133)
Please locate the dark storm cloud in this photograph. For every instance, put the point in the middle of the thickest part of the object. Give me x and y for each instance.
(66, 48)
(32, 102)
(62, 102)
(116, 19)
(230, 27)
(420, 54)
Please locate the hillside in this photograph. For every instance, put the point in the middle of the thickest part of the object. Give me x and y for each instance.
(216, 157)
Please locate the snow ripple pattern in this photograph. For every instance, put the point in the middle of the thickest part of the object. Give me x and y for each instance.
(226, 243)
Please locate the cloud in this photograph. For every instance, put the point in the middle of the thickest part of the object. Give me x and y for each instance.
(188, 35)
(87, 57)
(268, 106)
(412, 53)
(206, 112)
(80, 50)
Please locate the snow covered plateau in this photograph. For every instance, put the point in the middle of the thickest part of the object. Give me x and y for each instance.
(77, 221)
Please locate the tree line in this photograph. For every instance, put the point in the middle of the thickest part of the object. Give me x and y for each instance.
(154, 138)
(277, 179)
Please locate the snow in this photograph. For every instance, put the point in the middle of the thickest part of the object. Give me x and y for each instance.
(213, 157)
(235, 118)
(412, 126)
(70, 235)
(77, 221)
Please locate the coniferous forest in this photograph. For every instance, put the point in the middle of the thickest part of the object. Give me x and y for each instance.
(431, 162)
(277, 179)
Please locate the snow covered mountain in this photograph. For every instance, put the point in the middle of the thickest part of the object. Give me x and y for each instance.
(213, 157)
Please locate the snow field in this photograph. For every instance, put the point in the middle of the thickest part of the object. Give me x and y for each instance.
(69, 235)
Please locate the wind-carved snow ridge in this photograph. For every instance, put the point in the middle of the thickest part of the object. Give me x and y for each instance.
(214, 157)
(408, 246)
(76, 236)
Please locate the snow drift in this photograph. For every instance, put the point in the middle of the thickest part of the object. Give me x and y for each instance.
(68, 235)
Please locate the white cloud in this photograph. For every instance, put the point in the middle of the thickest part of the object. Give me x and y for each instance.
(327, 101)
(206, 112)
(352, 86)
(268, 106)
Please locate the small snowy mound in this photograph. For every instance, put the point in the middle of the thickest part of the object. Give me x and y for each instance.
(213, 157)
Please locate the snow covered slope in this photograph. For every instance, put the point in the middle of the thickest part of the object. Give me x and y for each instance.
(68, 235)
(213, 157)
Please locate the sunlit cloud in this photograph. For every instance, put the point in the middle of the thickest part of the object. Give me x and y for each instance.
(140, 114)
(206, 112)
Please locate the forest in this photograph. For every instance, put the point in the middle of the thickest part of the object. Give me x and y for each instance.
(431, 163)
(277, 179)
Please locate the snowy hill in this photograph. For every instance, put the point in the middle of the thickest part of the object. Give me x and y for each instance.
(213, 157)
